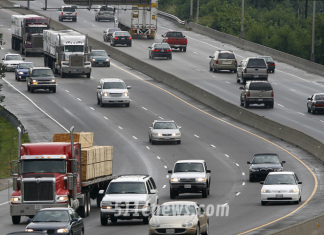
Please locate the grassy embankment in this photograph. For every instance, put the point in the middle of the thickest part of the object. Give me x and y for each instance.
(8, 146)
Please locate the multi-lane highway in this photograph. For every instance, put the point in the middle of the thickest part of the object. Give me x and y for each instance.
(225, 144)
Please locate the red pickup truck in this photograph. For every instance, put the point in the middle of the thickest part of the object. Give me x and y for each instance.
(176, 40)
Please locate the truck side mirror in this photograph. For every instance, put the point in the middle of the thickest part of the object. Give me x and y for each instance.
(153, 191)
(208, 171)
(283, 162)
(129, 87)
(98, 87)
(101, 191)
(241, 88)
(248, 162)
(23, 58)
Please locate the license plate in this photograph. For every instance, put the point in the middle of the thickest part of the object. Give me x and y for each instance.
(279, 196)
(170, 231)
(260, 99)
(38, 207)
(162, 50)
(122, 38)
(166, 138)
(256, 76)
(100, 62)
(187, 186)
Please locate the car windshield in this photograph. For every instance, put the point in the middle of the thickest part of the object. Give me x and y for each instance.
(268, 58)
(161, 46)
(126, 188)
(99, 53)
(36, 29)
(69, 9)
(260, 86)
(52, 216)
(42, 73)
(26, 66)
(165, 125)
(256, 63)
(319, 97)
(188, 167)
(265, 159)
(114, 85)
(175, 210)
(74, 48)
(122, 34)
(13, 57)
(43, 166)
(226, 56)
(280, 179)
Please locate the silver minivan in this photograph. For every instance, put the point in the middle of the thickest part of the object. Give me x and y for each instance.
(105, 13)
(68, 13)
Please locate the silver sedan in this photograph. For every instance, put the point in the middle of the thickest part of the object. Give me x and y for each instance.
(162, 130)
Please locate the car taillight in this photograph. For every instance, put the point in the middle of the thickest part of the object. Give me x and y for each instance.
(168, 50)
(267, 70)
(129, 38)
(76, 13)
(271, 93)
(248, 94)
(245, 71)
(109, 34)
(156, 50)
(167, 40)
(116, 38)
(235, 61)
(98, 13)
(216, 62)
(62, 13)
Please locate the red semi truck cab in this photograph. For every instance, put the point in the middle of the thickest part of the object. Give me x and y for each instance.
(48, 176)
(176, 40)
(34, 27)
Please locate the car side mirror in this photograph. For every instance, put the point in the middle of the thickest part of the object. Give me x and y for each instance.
(23, 58)
(248, 162)
(162, 36)
(153, 191)
(29, 220)
(179, 127)
(283, 162)
(170, 171)
(2, 58)
(150, 47)
(104, 31)
(101, 191)
(299, 182)
(241, 88)
(98, 87)
(261, 182)
(308, 98)
(129, 87)
(211, 56)
(73, 220)
(239, 65)
(208, 171)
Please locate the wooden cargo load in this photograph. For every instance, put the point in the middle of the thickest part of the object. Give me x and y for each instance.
(84, 138)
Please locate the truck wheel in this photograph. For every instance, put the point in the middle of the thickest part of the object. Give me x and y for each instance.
(172, 193)
(88, 75)
(63, 75)
(127, 105)
(101, 104)
(32, 90)
(26, 53)
(184, 49)
(103, 220)
(83, 210)
(145, 220)
(271, 105)
(204, 193)
(12, 43)
(16, 219)
(246, 104)
(28, 87)
(89, 204)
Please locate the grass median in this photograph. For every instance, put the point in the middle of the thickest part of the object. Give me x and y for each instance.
(8, 146)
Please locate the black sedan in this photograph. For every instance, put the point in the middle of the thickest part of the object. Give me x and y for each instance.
(121, 37)
(160, 50)
(57, 221)
(315, 103)
(108, 33)
(262, 164)
(99, 58)
(270, 62)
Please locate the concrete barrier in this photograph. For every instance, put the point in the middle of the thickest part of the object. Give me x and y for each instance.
(257, 48)
(276, 129)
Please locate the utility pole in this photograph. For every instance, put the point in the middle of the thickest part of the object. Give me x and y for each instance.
(191, 6)
(306, 9)
(242, 21)
(197, 11)
(312, 57)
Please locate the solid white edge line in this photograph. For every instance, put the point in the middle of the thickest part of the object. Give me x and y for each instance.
(4, 203)
(36, 105)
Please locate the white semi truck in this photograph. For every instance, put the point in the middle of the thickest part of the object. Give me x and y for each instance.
(67, 52)
(138, 19)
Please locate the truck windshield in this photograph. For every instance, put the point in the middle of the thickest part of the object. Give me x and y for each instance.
(126, 188)
(36, 29)
(74, 48)
(43, 166)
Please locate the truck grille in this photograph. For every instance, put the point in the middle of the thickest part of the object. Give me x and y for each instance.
(115, 94)
(42, 191)
(76, 61)
(124, 205)
(187, 179)
(37, 41)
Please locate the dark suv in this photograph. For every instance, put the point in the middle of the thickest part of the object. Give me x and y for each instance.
(40, 78)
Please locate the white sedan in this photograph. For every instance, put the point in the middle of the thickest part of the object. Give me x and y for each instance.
(11, 61)
(281, 186)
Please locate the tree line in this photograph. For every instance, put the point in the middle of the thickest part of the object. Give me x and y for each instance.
(284, 25)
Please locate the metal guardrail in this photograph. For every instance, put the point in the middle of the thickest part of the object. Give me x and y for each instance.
(12, 119)
(171, 16)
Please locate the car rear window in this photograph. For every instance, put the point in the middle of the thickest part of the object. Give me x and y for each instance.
(113, 30)
(267, 58)
(122, 34)
(69, 9)
(260, 86)
(174, 34)
(226, 56)
(162, 46)
(256, 63)
(319, 97)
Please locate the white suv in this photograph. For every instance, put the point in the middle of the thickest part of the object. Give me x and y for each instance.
(68, 13)
(112, 91)
(129, 197)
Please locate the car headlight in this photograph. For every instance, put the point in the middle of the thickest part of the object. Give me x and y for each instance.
(29, 230)
(53, 80)
(62, 198)
(21, 73)
(126, 93)
(154, 224)
(93, 59)
(174, 180)
(157, 134)
(254, 169)
(15, 199)
(35, 82)
(265, 190)
(105, 94)
(106, 207)
(293, 190)
(62, 230)
(107, 60)
(200, 179)
(175, 134)
(187, 224)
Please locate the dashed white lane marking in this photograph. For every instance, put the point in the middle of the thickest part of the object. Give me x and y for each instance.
(281, 105)
(238, 193)
(227, 82)
(134, 137)
(226, 155)
(147, 147)
(243, 173)
(292, 90)
(195, 52)
(167, 176)
(158, 157)
(165, 167)
(196, 136)
(225, 204)
(120, 127)
(164, 186)
(66, 90)
(243, 183)
(91, 78)
(4, 203)
(213, 146)
(321, 120)
(79, 99)
(301, 113)
(161, 117)
(214, 76)
(106, 118)
(92, 108)
(144, 108)
(237, 164)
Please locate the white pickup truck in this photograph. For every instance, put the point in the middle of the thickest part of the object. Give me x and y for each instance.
(252, 68)
(257, 92)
